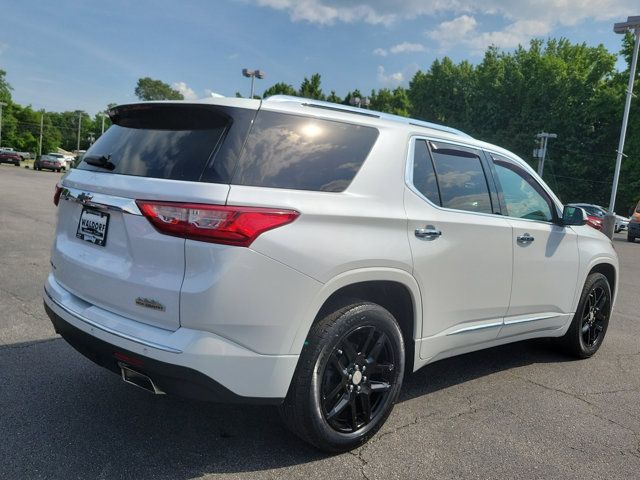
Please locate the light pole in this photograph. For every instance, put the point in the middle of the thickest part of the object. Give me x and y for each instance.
(253, 74)
(360, 102)
(103, 115)
(541, 153)
(79, 127)
(632, 24)
(2, 104)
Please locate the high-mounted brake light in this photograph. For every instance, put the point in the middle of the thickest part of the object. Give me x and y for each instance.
(229, 225)
(56, 195)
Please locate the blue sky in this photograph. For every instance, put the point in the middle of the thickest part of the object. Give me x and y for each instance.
(72, 54)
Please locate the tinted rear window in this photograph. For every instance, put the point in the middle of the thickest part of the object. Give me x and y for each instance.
(303, 153)
(160, 141)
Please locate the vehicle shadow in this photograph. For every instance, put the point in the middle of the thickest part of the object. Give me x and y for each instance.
(63, 417)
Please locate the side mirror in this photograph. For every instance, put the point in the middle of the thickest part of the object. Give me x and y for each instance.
(573, 216)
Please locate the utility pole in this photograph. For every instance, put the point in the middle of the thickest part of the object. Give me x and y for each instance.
(79, 125)
(541, 152)
(102, 114)
(41, 128)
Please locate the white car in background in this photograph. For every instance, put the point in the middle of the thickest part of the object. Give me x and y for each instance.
(308, 254)
(621, 224)
(67, 160)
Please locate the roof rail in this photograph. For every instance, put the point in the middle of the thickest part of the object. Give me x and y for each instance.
(308, 102)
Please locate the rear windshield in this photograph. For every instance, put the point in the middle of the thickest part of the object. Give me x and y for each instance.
(159, 141)
(303, 153)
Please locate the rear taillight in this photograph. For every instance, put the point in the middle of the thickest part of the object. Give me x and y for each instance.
(228, 225)
(56, 195)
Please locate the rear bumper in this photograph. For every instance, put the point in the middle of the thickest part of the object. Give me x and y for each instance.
(188, 363)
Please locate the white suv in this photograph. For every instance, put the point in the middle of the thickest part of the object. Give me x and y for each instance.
(307, 254)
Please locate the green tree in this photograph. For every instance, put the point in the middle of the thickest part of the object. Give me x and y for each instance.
(279, 88)
(5, 88)
(150, 89)
(333, 98)
(395, 102)
(310, 88)
(351, 95)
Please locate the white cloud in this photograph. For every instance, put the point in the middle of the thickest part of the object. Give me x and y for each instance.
(564, 12)
(407, 47)
(328, 12)
(463, 30)
(184, 89)
(404, 47)
(391, 80)
(523, 18)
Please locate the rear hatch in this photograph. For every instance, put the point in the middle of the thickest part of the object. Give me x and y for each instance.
(105, 251)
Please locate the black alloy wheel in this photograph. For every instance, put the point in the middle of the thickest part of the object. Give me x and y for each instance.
(356, 382)
(348, 377)
(591, 320)
(595, 313)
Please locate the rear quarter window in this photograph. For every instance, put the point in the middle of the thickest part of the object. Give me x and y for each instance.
(303, 153)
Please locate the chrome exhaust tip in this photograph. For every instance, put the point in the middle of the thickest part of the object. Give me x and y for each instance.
(138, 379)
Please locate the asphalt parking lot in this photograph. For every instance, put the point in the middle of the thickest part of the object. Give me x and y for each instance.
(520, 411)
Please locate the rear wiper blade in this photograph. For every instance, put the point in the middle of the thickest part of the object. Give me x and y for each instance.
(102, 161)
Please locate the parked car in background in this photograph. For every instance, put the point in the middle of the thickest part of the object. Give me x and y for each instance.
(622, 223)
(22, 155)
(634, 225)
(596, 215)
(10, 157)
(49, 162)
(67, 160)
(308, 254)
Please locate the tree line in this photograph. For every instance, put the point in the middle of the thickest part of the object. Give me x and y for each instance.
(21, 126)
(573, 90)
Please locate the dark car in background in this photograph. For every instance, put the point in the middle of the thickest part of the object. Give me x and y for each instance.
(49, 162)
(10, 157)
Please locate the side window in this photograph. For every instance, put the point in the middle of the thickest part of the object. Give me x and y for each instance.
(461, 178)
(303, 153)
(424, 176)
(523, 196)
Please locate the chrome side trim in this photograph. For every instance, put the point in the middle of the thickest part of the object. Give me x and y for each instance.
(111, 331)
(475, 328)
(100, 201)
(531, 319)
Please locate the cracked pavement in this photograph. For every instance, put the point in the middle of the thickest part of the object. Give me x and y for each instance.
(520, 410)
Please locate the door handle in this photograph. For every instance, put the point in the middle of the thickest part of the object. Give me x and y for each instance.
(526, 238)
(427, 233)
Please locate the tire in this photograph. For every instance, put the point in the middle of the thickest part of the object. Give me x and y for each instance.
(630, 238)
(326, 402)
(590, 323)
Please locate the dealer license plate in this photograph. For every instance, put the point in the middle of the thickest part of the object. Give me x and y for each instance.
(93, 226)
